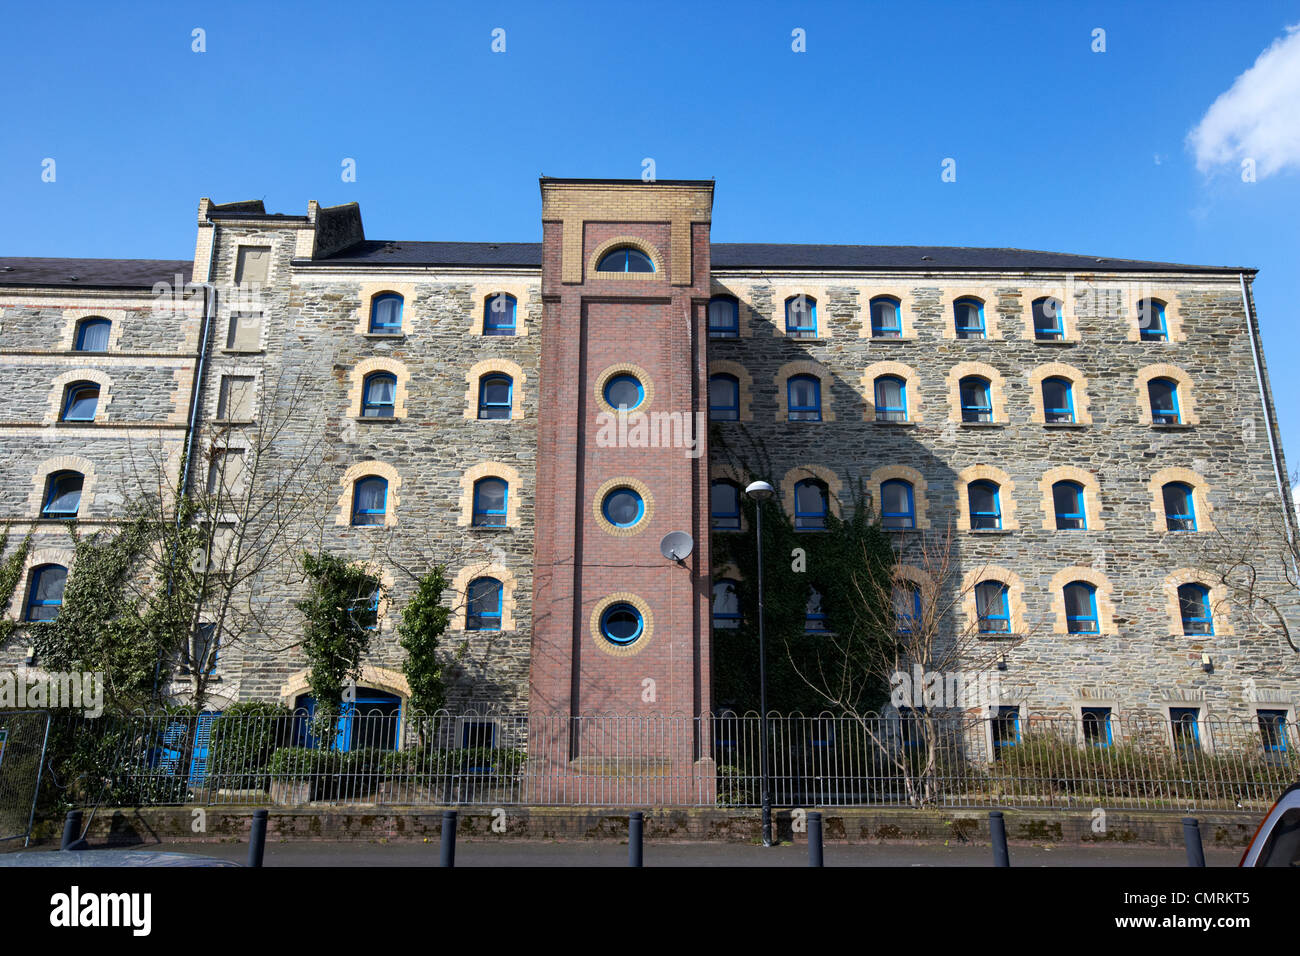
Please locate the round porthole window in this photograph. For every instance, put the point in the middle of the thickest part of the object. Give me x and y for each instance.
(624, 391)
(623, 507)
(621, 624)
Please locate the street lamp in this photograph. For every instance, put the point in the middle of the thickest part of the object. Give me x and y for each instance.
(760, 491)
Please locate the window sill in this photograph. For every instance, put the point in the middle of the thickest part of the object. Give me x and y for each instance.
(232, 421)
(243, 351)
(896, 530)
(1065, 425)
(805, 338)
(892, 339)
(991, 532)
(384, 335)
(376, 418)
(887, 423)
(999, 636)
(490, 528)
(983, 424)
(1172, 427)
(1058, 343)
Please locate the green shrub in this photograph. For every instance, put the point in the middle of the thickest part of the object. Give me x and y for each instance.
(243, 739)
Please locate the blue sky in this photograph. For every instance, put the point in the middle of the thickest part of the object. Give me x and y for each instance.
(1057, 147)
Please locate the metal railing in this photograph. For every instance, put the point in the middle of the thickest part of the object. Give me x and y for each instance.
(1132, 761)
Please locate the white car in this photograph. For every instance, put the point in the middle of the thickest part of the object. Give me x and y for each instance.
(1277, 841)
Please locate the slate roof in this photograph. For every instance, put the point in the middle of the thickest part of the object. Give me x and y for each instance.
(92, 273)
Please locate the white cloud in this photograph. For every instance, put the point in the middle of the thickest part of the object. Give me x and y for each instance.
(1258, 117)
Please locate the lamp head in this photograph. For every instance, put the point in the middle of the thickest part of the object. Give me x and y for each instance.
(759, 490)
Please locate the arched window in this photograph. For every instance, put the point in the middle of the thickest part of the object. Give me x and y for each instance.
(490, 495)
(80, 402)
(1151, 321)
(985, 509)
(1180, 507)
(801, 317)
(1194, 607)
(724, 398)
(379, 392)
(1164, 401)
(1048, 325)
(92, 335)
(386, 313)
(891, 399)
(724, 317)
(907, 607)
(483, 611)
(625, 259)
(63, 494)
(993, 610)
(1067, 500)
(814, 615)
(1058, 400)
(369, 500)
(726, 604)
(495, 396)
(725, 507)
(624, 391)
(804, 394)
(810, 502)
(1081, 608)
(499, 314)
(968, 314)
(897, 507)
(886, 318)
(976, 399)
(45, 594)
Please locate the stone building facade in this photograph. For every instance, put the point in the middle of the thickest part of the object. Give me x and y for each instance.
(500, 361)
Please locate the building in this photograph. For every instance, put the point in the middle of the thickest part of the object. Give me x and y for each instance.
(1077, 420)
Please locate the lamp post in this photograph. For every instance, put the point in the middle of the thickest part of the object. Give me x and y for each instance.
(760, 491)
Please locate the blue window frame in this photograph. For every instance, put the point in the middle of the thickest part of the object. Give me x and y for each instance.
(814, 615)
(801, 317)
(1151, 321)
(623, 508)
(625, 259)
(92, 335)
(490, 498)
(907, 607)
(1005, 724)
(63, 494)
(1194, 608)
(725, 506)
(891, 399)
(985, 506)
(726, 604)
(80, 403)
(1067, 499)
(369, 500)
(624, 391)
(724, 317)
(810, 506)
(45, 594)
(1048, 324)
(804, 398)
(1096, 726)
(1081, 608)
(499, 314)
(386, 313)
(495, 397)
(1273, 730)
(724, 398)
(897, 505)
(1058, 400)
(483, 612)
(976, 399)
(886, 318)
(1180, 507)
(372, 608)
(621, 624)
(1185, 724)
(968, 316)
(379, 395)
(992, 608)
(1164, 401)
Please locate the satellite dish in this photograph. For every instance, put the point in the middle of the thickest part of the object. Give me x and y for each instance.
(676, 545)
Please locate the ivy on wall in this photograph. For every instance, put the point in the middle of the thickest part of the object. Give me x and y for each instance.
(340, 616)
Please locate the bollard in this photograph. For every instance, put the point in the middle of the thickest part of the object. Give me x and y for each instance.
(815, 839)
(998, 834)
(635, 836)
(257, 839)
(448, 838)
(1192, 837)
(72, 832)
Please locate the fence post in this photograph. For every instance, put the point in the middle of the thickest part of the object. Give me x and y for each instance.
(72, 832)
(635, 835)
(1192, 837)
(257, 839)
(448, 838)
(815, 839)
(998, 834)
